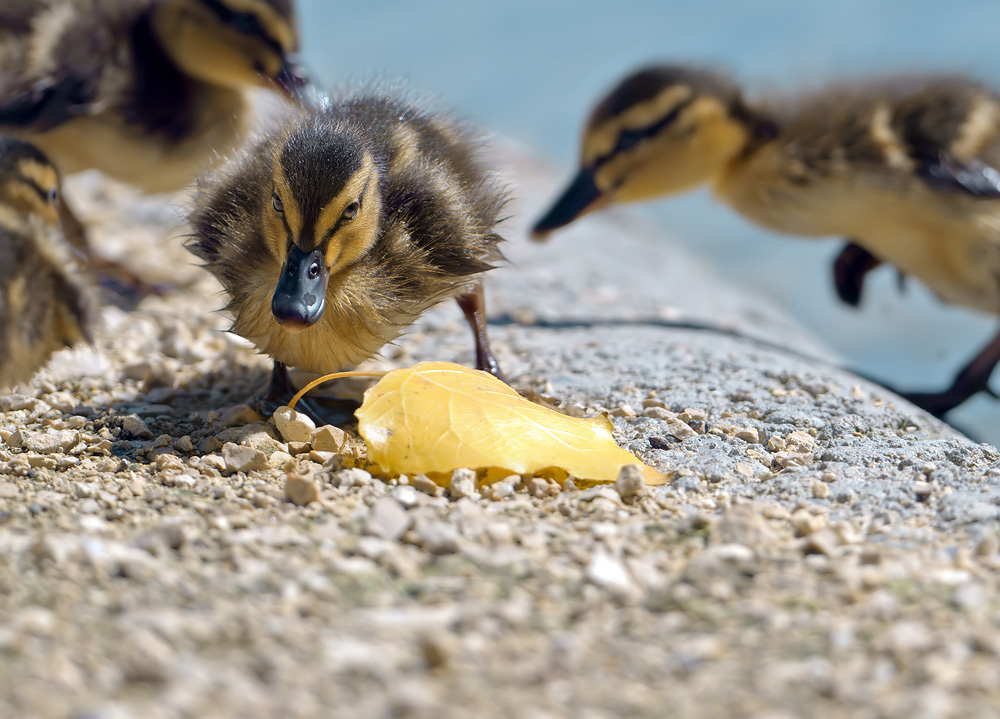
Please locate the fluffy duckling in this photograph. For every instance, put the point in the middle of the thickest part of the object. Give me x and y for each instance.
(45, 299)
(332, 235)
(904, 169)
(147, 91)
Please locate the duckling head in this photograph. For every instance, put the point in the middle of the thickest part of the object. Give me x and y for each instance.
(322, 216)
(29, 183)
(233, 43)
(661, 131)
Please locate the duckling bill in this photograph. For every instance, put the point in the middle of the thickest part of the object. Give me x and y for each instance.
(905, 169)
(333, 235)
(45, 296)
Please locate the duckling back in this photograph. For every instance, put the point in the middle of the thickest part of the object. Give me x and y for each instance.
(385, 203)
(45, 298)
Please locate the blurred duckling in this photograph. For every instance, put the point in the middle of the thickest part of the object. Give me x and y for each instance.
(905, 169)
(147, 91)
(45, 296)
(332, 235)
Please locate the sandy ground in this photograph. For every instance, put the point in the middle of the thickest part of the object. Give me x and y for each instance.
(825, 550)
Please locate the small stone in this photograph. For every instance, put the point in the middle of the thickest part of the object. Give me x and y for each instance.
(238, 415)
(301, 490)
(608, 573)
(805, 523)
(293, 426)
(51, 442)
(923, 490)
(242, 459)
(184, 444)
(328, 439)
(463, 484)
(9, 490)
(820, 490)
(423, 483)
(623, 411)
(387, 519)
(750, 435)
(743, 469)
(679, 429)
(16, 439)
(824, 541)
(295, 448)
(658, 413)
(691, 414)
(352, 477)
(134, 427)
(406, 495)
(211, 444)
(320, 457)
(438, 537)
(630, 484)
(657, 442)
(504, 488)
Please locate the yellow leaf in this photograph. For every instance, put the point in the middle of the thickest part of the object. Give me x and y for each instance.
(438, 416)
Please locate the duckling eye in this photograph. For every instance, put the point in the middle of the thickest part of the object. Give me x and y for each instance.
(313, 271)
(351, 211)
(53, 195)
(276, 203)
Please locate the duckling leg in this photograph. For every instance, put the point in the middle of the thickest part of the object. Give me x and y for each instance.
(971, 380)
(473, 304)
(849, 270)
(321, 409)
(125, 287)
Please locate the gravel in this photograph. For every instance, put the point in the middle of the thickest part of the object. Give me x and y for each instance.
(823, 550)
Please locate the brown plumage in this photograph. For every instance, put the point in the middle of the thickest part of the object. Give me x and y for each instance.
(45, 297)
(334, 233)
(148, 91)
(904, 168)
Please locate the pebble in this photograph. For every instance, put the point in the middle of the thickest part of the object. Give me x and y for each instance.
(328, 439)
(463, 484)
(51, 442)
(134, 427)
(438, 537)
(750, 435)
(238, 415)
(387, 519)
(406, 495)
(609, 573)
(301, 490)
(423, 483)
(242, 459)
(352, 477)
(630, 484)
(8, 490)
(293, 426)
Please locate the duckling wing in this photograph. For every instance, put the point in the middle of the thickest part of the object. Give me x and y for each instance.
(973, 177)
(952, 131)
(52, 72)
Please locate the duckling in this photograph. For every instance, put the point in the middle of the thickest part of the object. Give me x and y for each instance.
(905, 168)
(45, 296)
(147, 91)
(335, 233)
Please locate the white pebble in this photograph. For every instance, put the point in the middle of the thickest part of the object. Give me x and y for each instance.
(293, 426)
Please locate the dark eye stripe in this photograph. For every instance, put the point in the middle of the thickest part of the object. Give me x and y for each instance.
(628, 139)
(244, 22)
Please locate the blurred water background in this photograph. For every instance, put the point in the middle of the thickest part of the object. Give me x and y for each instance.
(532, 70)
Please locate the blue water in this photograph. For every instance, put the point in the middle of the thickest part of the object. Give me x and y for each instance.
(532, 70)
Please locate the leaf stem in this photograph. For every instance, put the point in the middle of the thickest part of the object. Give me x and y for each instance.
(336, 375)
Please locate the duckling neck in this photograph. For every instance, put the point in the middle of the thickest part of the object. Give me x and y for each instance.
(164, 100)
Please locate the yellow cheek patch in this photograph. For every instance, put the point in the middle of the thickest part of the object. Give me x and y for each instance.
(40, 173)
(600, 140)
(889, 142)
(26, 199)
(342, 249)
(979, 128)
